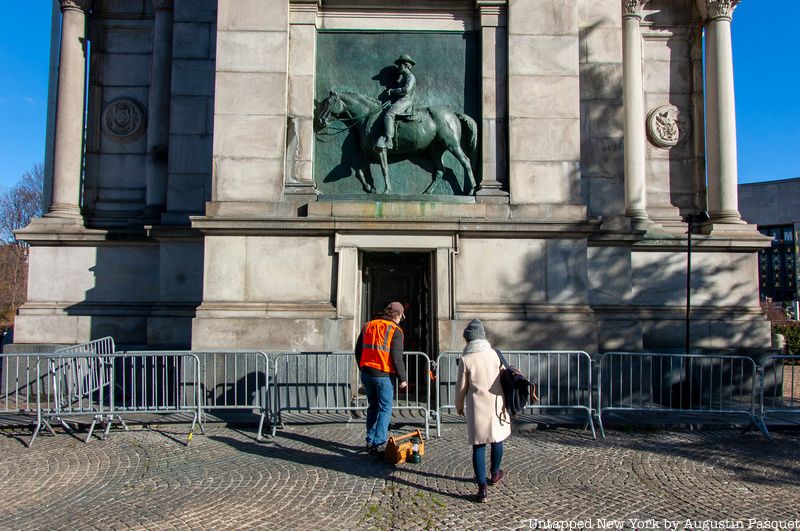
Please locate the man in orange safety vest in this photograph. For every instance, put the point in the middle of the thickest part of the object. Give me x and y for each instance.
(379, 354)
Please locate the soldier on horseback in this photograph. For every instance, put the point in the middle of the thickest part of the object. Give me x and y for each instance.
(403, 101)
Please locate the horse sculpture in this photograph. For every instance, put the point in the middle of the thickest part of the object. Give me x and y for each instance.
(433, 130)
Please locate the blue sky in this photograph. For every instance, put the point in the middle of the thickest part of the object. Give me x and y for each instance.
(766, 69)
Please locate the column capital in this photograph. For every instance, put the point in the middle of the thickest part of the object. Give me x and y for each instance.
(493, 13)
(163, 5)
(632, 8)
(304, 11)
(717, 9)
(76, 5)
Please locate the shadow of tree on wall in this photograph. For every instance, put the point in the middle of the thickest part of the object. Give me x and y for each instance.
(655, 294)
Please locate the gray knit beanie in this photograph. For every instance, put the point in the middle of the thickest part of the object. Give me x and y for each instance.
(474, 330)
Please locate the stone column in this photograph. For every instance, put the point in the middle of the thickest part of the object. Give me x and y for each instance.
(494, 87)
(300, 135)
(68, 152)
(158, 109)
(634, 118)
(723, 202)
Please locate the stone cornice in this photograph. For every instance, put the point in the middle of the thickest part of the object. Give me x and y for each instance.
(717, 9)
(76, 5)
(632, 8)
(163, 5)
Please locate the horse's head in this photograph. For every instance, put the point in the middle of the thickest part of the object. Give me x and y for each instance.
(332, 105)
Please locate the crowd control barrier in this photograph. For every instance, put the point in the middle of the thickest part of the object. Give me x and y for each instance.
(563, 381)
(18, 383)
(236, 380)
(694, 384)
(18, 379)
(108, 387)
(780, 389)
(329, 382)
(104, 345)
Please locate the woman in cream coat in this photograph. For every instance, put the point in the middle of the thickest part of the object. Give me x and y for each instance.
(478, 386)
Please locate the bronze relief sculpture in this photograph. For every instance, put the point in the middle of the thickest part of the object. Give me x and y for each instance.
(394, 128)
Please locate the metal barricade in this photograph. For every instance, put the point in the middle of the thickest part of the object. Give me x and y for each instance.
(563, 381)
(73, 385)
(236, 380)
(780, 389)
(105, 387)
(679, 384)
(19, 376)
(18, 384)
(104, 345)
(329, 382)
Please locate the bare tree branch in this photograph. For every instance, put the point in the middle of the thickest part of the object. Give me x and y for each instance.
(18, 205)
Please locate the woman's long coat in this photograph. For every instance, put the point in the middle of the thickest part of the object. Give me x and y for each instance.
(479, 386)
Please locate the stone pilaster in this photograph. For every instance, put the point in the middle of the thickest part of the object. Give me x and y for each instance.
(300, 135)
(544, 129)
(158, 110)
(250, 104)
(494, 88)
(634, 116)
(68, 151)
(721, 163)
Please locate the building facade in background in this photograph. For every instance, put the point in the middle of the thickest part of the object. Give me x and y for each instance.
(213, 181)
(774, 206)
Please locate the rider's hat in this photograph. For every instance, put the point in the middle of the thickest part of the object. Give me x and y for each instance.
(405, 58)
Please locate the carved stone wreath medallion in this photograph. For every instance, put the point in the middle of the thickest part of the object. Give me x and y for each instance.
(124, 120)
(665, 128)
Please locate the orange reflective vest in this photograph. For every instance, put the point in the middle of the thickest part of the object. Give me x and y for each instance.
(376, 342)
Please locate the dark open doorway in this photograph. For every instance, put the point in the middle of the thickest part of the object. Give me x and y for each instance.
(403, 277)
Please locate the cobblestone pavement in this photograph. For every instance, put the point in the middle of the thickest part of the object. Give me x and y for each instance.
(316, 477)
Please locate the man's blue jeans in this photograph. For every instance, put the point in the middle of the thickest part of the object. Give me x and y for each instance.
(380, 394)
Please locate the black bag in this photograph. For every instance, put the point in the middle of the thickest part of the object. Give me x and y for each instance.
(517, 389)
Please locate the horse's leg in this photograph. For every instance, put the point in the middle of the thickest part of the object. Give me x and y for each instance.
(438, 171)
(462, 158)
(360, 175)
(385, 170)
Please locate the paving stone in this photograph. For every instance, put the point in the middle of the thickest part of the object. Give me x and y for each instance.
(315, 476)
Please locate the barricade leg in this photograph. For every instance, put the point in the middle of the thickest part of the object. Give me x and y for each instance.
(36, 431)
(195, 419)
(590, 424)
(762, 427)
(91, 429)
(600, 425)
(259, 436)
(107, 429)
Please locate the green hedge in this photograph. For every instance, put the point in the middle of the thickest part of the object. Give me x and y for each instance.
(791, 332)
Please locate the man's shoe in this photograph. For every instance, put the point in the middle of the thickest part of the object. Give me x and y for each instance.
(378, 451)
(496, 477)
(483, 493)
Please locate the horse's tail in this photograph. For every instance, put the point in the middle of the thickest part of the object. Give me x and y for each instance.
(472, 133)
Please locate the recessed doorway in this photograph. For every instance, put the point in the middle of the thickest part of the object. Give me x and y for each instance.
(406, 278)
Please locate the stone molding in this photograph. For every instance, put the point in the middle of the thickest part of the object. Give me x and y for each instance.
(124, 120)
(665, 128)
(717, 9)
(163, 5)
(633, 8)
(493, 13)
(438, 15)
(76, 5)
(304, 11)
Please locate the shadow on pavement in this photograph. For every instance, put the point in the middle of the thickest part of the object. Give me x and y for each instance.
(338, 457)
